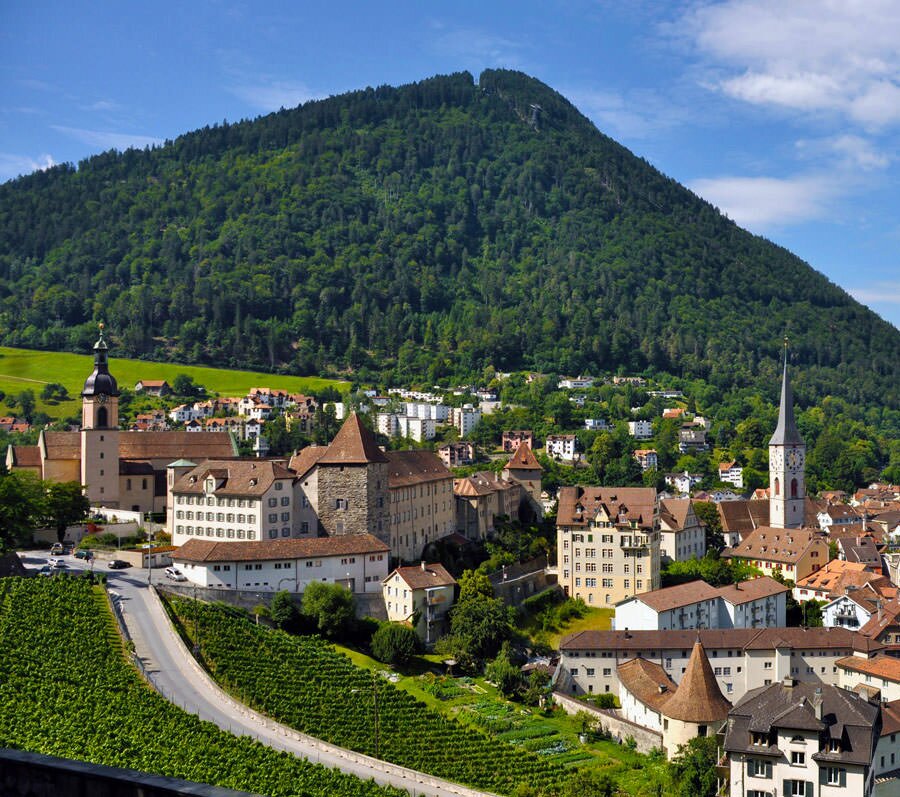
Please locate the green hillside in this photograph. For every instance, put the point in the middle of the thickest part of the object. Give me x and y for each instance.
(22, 369)
(422, 233)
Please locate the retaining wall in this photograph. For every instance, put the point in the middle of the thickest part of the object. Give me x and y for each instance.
(608, 720)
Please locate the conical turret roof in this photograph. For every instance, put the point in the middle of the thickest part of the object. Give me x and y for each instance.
(786, 433)
(698, 697)
(101, 380)
(354, 444)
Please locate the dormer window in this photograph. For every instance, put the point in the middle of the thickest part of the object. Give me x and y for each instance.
(834, 745)
(759, 739)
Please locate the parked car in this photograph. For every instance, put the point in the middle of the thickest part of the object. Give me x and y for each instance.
(53, 561)
(118, 564)
(84, 553)
(46, 570)
(59, 564)
(56, 549)
(175, 574)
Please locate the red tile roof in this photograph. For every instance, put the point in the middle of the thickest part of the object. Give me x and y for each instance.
(313, 547)
(354, 444)
(523, 459)
(406, 468)
(417, 577)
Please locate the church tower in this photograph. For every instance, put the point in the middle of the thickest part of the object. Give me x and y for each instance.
(787, 460)
(100, 431)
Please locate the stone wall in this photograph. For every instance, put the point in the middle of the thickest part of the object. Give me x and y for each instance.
(610, 721)
(518, 582)
(24, 774)
(363, 487)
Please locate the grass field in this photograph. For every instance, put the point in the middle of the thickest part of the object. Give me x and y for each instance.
(24, 369)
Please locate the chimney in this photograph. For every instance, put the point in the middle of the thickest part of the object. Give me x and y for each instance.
(787, 682)
(817, 703)
(424, 568)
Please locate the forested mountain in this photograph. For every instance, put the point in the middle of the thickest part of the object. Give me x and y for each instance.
(422, 232)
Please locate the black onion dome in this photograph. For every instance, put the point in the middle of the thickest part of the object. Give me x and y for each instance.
(101, 380)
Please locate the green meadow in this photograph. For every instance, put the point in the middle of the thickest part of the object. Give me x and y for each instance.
(23, 369)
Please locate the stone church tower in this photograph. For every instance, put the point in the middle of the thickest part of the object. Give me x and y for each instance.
(352, 475)
(787, 461)
(100, 431)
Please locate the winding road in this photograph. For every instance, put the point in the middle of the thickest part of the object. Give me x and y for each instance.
(174, 673)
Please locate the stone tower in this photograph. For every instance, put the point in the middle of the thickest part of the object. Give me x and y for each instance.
(353, 495)
(787, 461)
(524, 468)
(100, 431)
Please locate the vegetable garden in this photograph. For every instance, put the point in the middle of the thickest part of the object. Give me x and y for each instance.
(66, 690)
(306, 684)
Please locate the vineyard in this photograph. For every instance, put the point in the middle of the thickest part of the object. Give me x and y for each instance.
(66, 690)
(304, 683)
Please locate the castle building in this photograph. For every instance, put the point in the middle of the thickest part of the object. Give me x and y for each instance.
(119, 469)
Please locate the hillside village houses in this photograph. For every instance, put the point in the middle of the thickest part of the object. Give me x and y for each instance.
(561, 446)
(682, 534)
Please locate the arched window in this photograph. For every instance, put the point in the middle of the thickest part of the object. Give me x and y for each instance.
(102, 418)
(777, 487)
(793, 488)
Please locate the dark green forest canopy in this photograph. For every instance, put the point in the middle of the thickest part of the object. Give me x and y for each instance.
(422, 233)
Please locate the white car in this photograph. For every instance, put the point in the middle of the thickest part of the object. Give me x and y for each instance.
(175, 574)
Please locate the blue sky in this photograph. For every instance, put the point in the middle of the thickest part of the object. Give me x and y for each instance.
(784, 115)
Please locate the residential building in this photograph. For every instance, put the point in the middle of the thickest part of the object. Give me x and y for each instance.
(795, 553)
(358, 562)
(756, 603)
(673, 413)
(838, 577)
(575, 382)
(862, 549)
(425, 592)
(422, 505)
(881, 673)
(467, 418)
(743, 659)
(739, 518)
(608, 542)
(511, 439)
(852, 610)
(682, 534)
(640, 430)
(887, 753)
(233, 500)
(691, 440)
(834, 515)
(647, 458)
(596, 424)
(793, 738)
(453, 455)
(482, 498)
(733, 474)
(683, 482)
(561, 446)
(883, 627)
(153, 387)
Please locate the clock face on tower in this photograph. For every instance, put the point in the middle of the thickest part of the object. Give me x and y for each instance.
(102, 398)
(794, 459)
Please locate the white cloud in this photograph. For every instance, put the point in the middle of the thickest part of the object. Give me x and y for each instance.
(107, 139)
(764, 203)
(475, 48)
(640, 115)
(854, 152)
(12, 166)
(879, 293)
(807, 55)
(270, 95)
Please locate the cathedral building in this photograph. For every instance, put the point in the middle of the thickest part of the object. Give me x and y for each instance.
(119, 469)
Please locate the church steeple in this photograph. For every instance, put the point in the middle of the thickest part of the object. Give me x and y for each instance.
(101, 381)
(786, 432)
(787, 457)
(100, 431)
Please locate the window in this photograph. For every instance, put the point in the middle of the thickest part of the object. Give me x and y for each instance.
(273, 517)
(273, 502)
(836, 776)
(758, 768)
(285, 501)
(795, 788)
(798, 758)
(340, 503)
(279, 486)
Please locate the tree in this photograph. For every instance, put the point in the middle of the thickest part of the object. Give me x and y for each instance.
(589, 783)
(473, 583)
(283, 610)
(26, 403)
(708, 512)
(394, 643)
(503, 673)
(480, 625)
(64, 504)
(184, 385)
(330, 607)
(694, 768)
(21, 507)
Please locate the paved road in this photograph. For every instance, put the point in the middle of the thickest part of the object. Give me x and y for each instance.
(174, 673)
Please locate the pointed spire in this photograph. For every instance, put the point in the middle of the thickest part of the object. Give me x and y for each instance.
(354, 444)
(786, 432)
(101, 381)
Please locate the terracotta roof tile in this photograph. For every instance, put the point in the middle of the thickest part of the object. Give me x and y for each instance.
(523, 459)
(172, 445)
(776, 545)
(302, 462)
(647, 681)
(668, 598)
(354, 444)
(235, 551)
(62, 445)
(238, 478)
(751, 590)
(406, 468)
(638, 504)
(698, 697)
(26, 456)
(433, 575)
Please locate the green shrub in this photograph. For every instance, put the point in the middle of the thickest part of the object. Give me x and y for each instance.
(393, 643)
